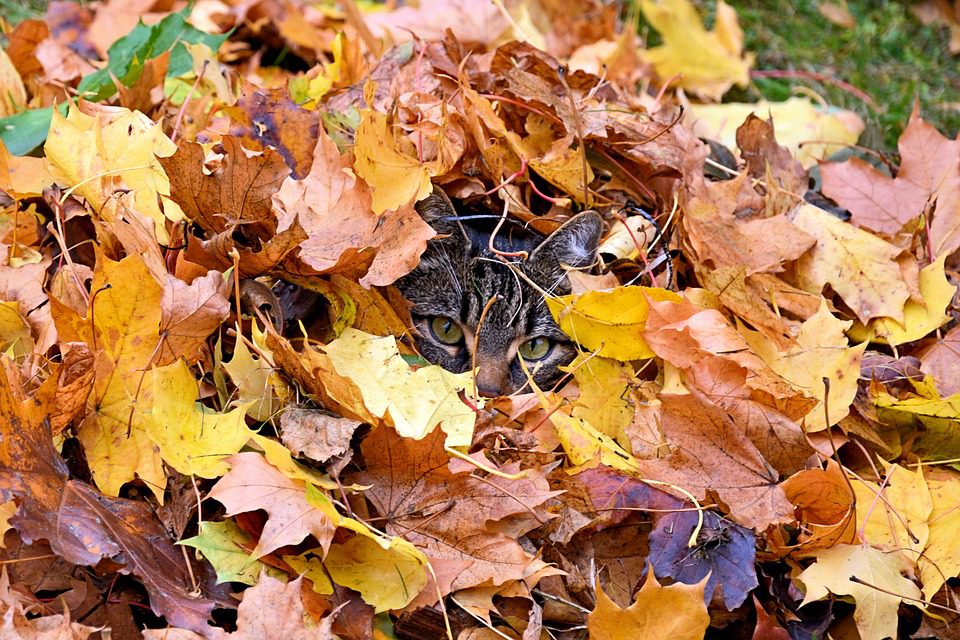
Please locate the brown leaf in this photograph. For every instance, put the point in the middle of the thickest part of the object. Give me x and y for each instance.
(942, 361)
(268, 118)
(711, 453)
(344, 235)
(315, 434)
(82, 525)
(453, 517)
(191, 312)
(252, 483)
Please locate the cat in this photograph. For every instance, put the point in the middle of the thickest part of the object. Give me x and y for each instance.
(457, 277)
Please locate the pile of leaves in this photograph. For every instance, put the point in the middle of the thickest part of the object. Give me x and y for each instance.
(214, 419)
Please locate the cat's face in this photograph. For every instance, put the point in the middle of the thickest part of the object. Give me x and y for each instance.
(459, 281)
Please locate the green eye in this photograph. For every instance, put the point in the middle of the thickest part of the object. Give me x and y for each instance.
(535, 348)
(446, 330)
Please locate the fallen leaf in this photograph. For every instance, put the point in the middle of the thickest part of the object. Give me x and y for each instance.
(226, 546)
(876, 611)
(252, 483)
(674, 611)
(707, 63)
(859, 266)
(609, 322)
(416, 401)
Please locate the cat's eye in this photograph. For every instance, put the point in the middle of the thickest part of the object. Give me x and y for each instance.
(446, 330)
(535, 348)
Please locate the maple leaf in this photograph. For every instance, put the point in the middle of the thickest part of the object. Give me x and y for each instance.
(877, 601)
(940, 559)
(292, 133)
(895, 517)
(674, 611)
(707, 62)
(460, 522)
(710, 452)
(820, 351)
(609, 322)
(344, 235)
(252, 483)
(122, 329)
(723, 554)
(879, 202)
(191, 312)
(225, 545)
(859, 266)
(100, 154)
(416, 401)
(810, 131)
(395, 178)
(824, 508)
(941, 359)
(193, 439)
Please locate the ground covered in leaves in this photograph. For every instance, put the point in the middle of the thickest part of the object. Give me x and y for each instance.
(214, 422)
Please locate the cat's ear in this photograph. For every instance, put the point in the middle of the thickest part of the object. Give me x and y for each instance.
(574, 244)
(438, 211)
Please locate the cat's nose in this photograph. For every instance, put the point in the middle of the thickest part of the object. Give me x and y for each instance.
(489, 390)
(491, 378)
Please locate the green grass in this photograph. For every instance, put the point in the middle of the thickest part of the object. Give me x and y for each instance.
(14, 11)
(889, 55)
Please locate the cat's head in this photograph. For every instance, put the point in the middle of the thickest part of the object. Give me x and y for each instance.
(458, 276)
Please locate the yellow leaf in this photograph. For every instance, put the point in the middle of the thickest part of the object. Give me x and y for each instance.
(583, 444)
(896, 519)
(676, 611)
(395, 177)
(821, 351)
(13, 95)
(857, 264)
(876, 611)
(99, 158)
(307, 564)
(603, 385)
(415, 401)
(810, 132)
(15, 337)
(386, 578)
(192, 438)
(941, 558)
(123, 328)
(611, 322)
(918, 319)
(256, 381)
(281, 458)
(705, 62)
